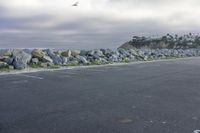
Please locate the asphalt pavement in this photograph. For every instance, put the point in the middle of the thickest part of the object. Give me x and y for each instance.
(156, 97)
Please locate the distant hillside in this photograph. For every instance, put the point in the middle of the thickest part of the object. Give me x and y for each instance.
(167, 41)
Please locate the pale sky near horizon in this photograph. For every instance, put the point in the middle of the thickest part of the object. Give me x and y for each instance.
(93, 23)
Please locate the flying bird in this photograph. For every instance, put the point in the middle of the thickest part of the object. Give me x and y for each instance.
(75, 4)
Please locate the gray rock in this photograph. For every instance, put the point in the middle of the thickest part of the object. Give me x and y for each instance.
(145, 58)
(83, 53)
(99, 53)
(64, 60)
(58, 52)
(72, 58)
(90, 58)
(140, 53)
(28, 51)
(34, 61)
(21, 59)
(57, 60)
(107, 52)
(9, 60)
(5, 52)
(46, 58)
(124, 52)
(132, 57)
(175, 53)
(83, 60)
(96, 56)
(113, 58)
(49, 52)
(116, 53)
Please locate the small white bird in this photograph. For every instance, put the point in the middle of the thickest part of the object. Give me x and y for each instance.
(75, 4)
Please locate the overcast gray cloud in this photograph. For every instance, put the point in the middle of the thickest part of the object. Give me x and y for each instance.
(94, 23)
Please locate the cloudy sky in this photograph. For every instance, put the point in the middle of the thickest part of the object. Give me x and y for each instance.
(92, 24)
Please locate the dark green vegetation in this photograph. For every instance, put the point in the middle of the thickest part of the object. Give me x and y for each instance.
(167, 41)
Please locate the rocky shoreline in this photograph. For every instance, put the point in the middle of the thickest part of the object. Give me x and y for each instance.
(20, 59)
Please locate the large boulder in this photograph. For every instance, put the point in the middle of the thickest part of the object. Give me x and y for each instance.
(38, 53)
(66, 53)
(64, 60)
(98, 54)
(34, 61)
(57, 59)
(21, 59)
(83, 60)
(46, 59)
(75, 52)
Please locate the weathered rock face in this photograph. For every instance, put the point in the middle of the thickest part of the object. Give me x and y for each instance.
(46, 59)
(57, 60)
(83, 60)
(66, 53)
(38, 53)
(75, 52)
(21, 59)
(34, 61)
